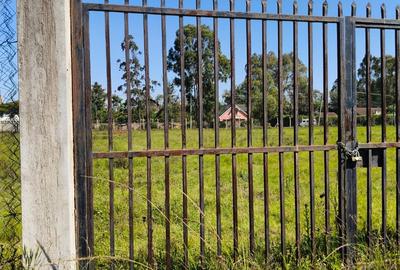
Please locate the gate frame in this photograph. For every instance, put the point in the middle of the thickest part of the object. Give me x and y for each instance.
(347, 128)
(349, 100)
(82, 134)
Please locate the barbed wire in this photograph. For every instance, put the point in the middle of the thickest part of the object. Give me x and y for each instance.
(10, 199)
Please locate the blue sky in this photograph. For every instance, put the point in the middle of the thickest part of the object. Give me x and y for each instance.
(98, 64)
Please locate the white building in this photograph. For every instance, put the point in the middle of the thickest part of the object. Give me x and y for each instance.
(8, 124)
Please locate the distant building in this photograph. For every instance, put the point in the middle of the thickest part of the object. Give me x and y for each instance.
(331, 114)
(240, 115)
(8, 124)
(363, 111)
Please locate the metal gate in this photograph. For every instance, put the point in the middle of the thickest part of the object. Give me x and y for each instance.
(347, 153)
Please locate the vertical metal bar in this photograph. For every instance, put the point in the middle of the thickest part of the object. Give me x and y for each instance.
(353, 9)
(183, 130)
(369, 125)
(341, 34)
(397, 37)
(110, 136)
(350, 124)
(200, 126)
(311, 128)
(233, 133)
(326, 124)
(216, 134)
(78, 90)
(88, 116)
(280, 116)
(296, 129)
(148, 139)
(383, 108)
(265, 132)
(166, 142)
(129, 108)
(250, 130)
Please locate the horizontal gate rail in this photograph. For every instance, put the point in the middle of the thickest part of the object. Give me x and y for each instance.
(238, 150)
(214, 151)
(209, 13)
(381, 145)
(377, 23)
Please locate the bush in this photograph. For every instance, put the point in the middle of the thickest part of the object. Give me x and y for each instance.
(376, 120)
(121, 163)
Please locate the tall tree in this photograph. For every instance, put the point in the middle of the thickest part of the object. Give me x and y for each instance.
(99, 108)
(119, 110)
(191, 69)
(376, 81)
(272, 87)
(174, 106)
(136, 80)
(376, 84)
(11, 109)
(334, 98)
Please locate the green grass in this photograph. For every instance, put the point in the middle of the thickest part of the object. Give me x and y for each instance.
(325, 259)
(10, 207)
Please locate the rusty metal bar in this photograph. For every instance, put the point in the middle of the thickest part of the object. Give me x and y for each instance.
(110, 137)
(200, 127)
(88, 133)
(183, 130)
(373, 23)
(211, 13)
(353, 9)
(233, 133)
(397, 48)
(311, 129)
(216, 134)
(369, 125)
(296, 130)
(265, 133)
(382, 145)
(326, 123)
(341, 164)
(383, 105)
(80, 157)
(129, 124)
(250, 131)
(150, 255)
(230, 151)
(235, 150)
(168, 260)
(280, 116)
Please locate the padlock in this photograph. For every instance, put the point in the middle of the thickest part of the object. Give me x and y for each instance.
(356, 158)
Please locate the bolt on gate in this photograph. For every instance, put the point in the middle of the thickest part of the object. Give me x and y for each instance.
(345, 154)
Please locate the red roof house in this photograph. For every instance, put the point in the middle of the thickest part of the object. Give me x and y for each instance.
(240, 115)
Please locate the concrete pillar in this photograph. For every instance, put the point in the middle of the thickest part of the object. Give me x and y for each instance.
(44, 44)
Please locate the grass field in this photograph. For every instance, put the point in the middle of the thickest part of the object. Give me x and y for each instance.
(10, 206)
(326, 259)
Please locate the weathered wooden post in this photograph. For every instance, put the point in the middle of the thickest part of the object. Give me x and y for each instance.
(47, 164)
(350, 137)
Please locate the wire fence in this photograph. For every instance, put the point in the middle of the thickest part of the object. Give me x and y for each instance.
(10, 199)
